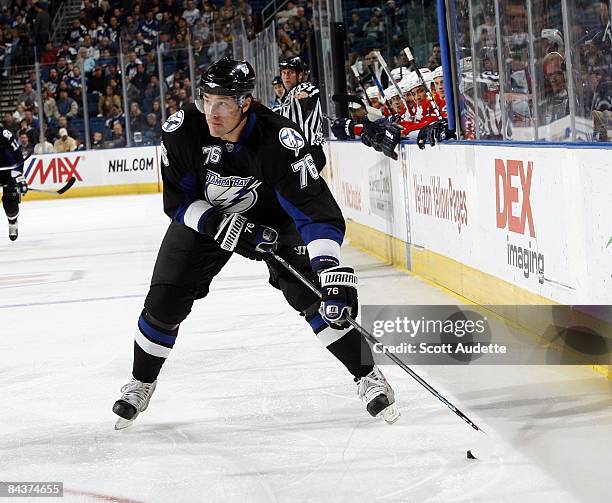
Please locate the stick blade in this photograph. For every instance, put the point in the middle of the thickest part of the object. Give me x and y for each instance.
(67, 186)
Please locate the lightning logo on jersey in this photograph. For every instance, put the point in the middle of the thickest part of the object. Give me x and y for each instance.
(232, 194)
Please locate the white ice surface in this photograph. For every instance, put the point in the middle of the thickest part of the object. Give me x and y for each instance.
(250, 408)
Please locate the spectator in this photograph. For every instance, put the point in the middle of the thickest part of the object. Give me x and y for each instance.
(49, 55)
(43, 147)
(27, 97)
(156, 109)
(106, 58)
(50, 112)
(65, 143)
(68, 52)
(191, 14)
(557, 101)
(26, 148)
(243, 9)
(107, 101)
(19, 113)
(201, 60)
(140, 80)
(62, 67)
(32, 120)
(115, 116)
(373, 30)
(62, 122)
(10, 123)
(117, 139)
(42, 25)
(227, 12)
(98, 141)
(75, 35)
(138, 122)
(83, 58)
(132, 67)
(435, 59)
(283, 16)
(150, 26)
(66, 105)
(96, 83)
(53, 82)
(218, 48)
(152, 133)
(201, 30)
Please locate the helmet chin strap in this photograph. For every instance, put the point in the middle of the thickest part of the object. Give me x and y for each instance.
(242, 117)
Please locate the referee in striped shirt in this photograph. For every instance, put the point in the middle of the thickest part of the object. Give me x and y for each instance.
(300, 102)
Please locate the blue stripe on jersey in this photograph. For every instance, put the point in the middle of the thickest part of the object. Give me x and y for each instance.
(246, 132)
(153, 334)
(202, 221)
(179, 215)
(317, 323)
(308, 229)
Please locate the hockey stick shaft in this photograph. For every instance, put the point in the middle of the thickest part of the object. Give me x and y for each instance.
(370, 338)
(385, 68)
(381, 89)
(360, 82)
(57, 192)
(430, 96)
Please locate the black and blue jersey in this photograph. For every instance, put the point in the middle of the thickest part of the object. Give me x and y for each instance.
(271, 176)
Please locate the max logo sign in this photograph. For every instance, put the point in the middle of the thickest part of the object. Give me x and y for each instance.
(58, 169)
(512, 178)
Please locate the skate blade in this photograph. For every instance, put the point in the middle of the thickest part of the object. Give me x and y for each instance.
(122, 424)
(390, 414)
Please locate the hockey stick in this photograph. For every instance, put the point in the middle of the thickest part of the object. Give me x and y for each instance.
(385, 68)
(57, 192)
(360, 82)
(433, 102)
(381, 89)
(372, 340)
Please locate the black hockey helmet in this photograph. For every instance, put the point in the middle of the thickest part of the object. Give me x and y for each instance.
(293, 63)
(277, 80)
(228, 77)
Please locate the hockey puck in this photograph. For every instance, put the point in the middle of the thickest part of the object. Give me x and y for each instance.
(470, 455)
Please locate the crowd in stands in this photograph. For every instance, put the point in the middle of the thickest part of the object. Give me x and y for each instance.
(92, 46)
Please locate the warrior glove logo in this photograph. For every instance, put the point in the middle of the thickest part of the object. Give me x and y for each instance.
(174, 122)
(291, 139)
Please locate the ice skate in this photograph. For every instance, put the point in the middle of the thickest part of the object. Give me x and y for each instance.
(378, 396)
(135, 399)
(13, 230)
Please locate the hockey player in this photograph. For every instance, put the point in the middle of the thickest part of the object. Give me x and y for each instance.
(12, 180)
(279, 91)
(301, 101)
(240, 178)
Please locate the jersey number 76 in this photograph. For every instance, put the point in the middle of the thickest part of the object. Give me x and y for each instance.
(304, 166)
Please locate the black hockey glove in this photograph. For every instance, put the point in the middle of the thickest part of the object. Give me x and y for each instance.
(373, 133)
(393, 135)
(20, 182)
(339, 296)
(251, 240)
(434, 133)
(343, 129)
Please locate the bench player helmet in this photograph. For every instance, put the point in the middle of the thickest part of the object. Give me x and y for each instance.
(226, 77)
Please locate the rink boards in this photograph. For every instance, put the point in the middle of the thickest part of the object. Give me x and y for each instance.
(498, 224)
(504, 225)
